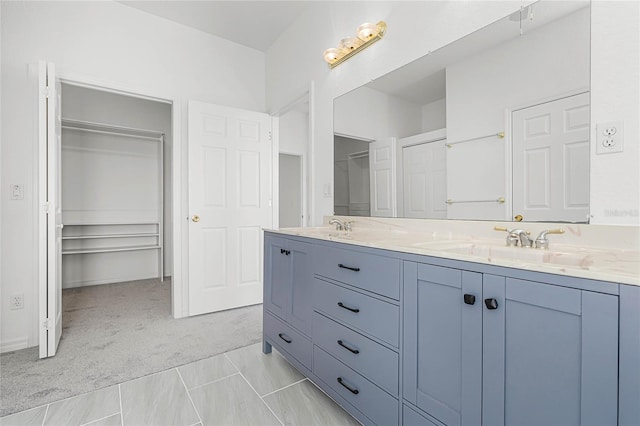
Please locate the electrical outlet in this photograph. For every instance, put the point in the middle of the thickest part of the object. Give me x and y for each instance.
(609, 137)
(17, 191)
(17, 301)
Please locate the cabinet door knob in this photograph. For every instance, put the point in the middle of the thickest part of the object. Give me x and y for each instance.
(491, 303)
(469, 299)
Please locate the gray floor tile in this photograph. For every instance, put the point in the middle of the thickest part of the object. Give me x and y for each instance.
(207, 370)
(266, 373)
(84, 408)
(231, 401)
(159, 399)
(114, 420)
(305, 404)
(25, 418)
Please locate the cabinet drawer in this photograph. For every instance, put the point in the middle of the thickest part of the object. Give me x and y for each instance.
(378, 274)
(372, 401)
(288, 339)
(374, 361)
(375, 317)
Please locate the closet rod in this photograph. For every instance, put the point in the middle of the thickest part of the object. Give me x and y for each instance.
(114, 129)
(360, 154)
(104, 132)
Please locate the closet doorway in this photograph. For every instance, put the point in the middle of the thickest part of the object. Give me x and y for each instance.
(116, 198)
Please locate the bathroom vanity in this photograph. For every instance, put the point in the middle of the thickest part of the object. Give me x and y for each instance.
(432, 327)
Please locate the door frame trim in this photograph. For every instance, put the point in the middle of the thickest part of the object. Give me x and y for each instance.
(179, 281)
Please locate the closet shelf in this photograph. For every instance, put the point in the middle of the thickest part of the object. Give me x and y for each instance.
(110, 249)
(95, 237)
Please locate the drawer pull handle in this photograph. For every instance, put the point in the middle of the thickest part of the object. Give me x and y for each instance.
(351, 268)
(285, 252)
(349, 388)
(353, 351)
(280, 335)
(355, 310)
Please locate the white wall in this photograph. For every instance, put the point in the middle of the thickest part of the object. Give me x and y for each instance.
(370, 114)
(615, 95)
(119, 46)
(294, 132)
(434, 115)
(416, 28)
(536, 66)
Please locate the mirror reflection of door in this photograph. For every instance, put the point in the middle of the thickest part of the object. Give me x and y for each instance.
(290, 190)
(351, 177)
(551, 160)
(424, 180)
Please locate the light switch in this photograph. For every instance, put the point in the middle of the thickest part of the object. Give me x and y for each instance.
(17, 192)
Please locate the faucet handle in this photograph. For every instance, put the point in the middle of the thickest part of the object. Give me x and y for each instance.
(514, 235)
(348, 226)
(542, 241)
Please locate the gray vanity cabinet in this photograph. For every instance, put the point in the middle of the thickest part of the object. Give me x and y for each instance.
(550, 355)
(287, 299)
(443, 342)
(492, 350)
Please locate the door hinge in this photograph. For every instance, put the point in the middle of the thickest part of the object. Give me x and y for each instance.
(47, 207)
(270, 136)
(46, 324)
(46, 92)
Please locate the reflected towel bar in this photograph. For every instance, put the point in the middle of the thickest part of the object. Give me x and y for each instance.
(499, 200)
(499, 135)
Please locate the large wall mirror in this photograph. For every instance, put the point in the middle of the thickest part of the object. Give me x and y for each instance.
(494, 126)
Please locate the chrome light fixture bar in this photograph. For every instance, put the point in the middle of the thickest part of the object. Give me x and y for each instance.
(367, 34)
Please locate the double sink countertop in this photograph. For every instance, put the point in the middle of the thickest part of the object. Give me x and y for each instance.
(583, 256)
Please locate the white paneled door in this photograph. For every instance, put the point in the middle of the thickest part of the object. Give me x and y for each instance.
(230, 187)
(424, 180)
(551, 160)
(50, 149)
(383, 177)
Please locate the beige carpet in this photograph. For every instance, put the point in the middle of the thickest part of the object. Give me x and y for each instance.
(117, 332)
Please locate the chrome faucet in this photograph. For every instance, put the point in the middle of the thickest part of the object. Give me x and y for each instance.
(516, 235)
(542, 241)
(341, 226)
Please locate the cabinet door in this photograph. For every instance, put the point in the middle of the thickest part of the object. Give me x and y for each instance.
(300, 310)
(277, 276)
(443, 343)
(550, 355)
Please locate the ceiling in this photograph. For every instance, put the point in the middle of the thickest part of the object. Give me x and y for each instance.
(256, 24)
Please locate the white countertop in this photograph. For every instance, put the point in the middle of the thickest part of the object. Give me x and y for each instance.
(619, 265)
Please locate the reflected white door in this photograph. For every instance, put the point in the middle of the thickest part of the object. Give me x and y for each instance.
(230, 182)
(50, 147)
(290, 190)
(358, 170)
(383, 177)
(551, 160)
(424, 180)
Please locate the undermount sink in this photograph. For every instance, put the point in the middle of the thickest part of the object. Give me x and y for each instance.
(524, 254)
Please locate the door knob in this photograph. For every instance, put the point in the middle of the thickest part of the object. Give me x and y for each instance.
(491, 303)
(469, 299)
(195, 218)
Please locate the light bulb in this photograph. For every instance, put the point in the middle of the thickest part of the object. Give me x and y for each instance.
(349, 43)
(367, 30)
(331, 55)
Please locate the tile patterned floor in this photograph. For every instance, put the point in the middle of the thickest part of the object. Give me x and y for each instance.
(241, 387)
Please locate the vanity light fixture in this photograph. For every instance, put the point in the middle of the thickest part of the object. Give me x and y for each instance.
(367, 34)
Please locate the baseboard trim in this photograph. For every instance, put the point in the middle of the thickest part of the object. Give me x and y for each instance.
(13, 345)
(76, 284)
